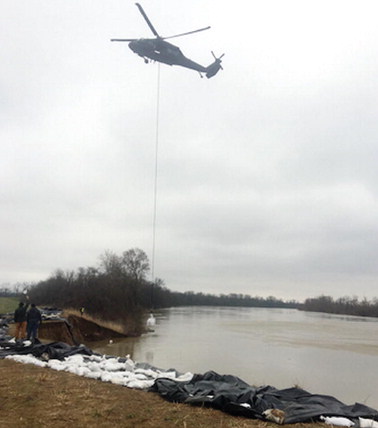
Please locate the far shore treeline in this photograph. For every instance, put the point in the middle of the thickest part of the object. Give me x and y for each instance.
(342, 306)
(118, 287)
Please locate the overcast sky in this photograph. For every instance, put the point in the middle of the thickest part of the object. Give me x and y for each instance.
(267, 173)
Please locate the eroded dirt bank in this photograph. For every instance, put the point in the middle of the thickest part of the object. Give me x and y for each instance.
(74, 330)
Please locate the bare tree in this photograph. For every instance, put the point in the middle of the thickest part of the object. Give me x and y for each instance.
(136, 263)
(111, 264)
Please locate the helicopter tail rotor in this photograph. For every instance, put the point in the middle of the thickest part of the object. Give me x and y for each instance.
(213, 68)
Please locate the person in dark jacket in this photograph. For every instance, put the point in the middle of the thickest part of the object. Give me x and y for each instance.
(20, 320)
(34, 319)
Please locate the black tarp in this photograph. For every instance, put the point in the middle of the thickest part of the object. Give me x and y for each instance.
(232, 395)
(55, 350)
(224, 392)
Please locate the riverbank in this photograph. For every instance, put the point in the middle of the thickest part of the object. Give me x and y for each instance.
(37, 397)
(72, 328)
(75, 330)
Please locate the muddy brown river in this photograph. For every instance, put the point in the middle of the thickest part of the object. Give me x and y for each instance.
(322, 353)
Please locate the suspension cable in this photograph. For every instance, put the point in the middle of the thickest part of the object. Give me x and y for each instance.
(156, 175)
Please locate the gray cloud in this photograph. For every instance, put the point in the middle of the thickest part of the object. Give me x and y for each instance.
(267, 178)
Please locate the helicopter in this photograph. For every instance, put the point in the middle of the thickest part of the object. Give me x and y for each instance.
(159, 50)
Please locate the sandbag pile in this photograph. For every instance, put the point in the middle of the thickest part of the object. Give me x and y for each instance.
(82, 361)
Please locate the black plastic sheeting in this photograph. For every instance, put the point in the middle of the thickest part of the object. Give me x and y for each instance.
(54, 350)
(224, 392)
(232, 395)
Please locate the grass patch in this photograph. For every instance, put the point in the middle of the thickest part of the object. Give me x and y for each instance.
(8, 304)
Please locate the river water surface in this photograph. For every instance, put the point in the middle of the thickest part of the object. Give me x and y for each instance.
(322, 353)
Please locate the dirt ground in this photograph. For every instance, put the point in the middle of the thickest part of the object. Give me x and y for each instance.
(34, 397)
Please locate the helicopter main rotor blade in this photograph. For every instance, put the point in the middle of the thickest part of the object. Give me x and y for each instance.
(123, 40)
(147, 20)
(185, 34)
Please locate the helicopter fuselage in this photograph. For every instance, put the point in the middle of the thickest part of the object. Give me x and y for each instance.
(159, 50)
(162, 51)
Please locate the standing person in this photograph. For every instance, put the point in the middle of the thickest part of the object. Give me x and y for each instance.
(34, 319)
(20, 320)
